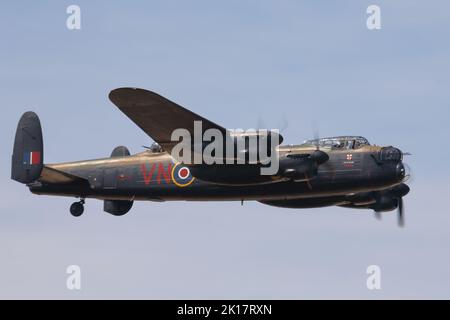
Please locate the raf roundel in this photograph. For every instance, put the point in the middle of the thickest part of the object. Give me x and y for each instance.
(183, 173)
(181, 176)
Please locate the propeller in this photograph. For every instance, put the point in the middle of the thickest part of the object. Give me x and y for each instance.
(397, 193)
(409, 176)
(318, 156)
(400, 213)
(316, 135)
(400, 191)
(282, 125)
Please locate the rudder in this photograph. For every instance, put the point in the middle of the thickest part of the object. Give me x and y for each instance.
(28, 152)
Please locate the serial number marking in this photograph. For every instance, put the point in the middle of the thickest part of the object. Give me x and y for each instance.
(246, 309)
(226, 310)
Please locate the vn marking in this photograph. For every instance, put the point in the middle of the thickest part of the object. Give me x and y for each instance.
(178, 174)
(162, 172)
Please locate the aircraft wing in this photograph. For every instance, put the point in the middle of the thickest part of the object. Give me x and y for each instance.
(156, 115)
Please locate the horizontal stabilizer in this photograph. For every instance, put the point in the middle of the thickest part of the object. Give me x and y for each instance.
(54, 176)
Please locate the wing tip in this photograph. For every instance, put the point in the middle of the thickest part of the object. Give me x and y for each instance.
(128, 92)
(119, 91)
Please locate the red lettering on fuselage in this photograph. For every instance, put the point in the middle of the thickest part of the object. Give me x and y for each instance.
(162, 172)
(147, 177)
(166, 174)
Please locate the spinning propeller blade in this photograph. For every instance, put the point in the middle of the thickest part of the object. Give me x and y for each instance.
(400, 213)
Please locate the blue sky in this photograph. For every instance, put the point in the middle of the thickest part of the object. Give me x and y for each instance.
(233, 62)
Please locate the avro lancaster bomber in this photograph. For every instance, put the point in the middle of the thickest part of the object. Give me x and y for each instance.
(345, 171)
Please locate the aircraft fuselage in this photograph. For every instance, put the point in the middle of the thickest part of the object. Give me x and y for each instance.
(157, 177)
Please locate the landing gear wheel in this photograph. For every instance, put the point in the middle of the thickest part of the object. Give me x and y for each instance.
(77, 208)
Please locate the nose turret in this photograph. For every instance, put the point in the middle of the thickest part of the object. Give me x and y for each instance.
(391, 154)
(400, 171)
(395, 156)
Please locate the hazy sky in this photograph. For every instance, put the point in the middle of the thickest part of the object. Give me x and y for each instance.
(232, 62)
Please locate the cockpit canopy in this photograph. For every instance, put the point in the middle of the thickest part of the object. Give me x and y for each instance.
(342, 142)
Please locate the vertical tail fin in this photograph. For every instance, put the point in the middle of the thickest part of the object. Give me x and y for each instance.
(28, 152)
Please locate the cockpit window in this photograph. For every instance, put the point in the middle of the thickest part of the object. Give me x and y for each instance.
(339, 143)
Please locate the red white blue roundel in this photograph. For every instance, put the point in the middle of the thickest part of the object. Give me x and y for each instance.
(181, 175)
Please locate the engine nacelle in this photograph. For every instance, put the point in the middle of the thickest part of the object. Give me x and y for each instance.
(385, 203)
(298, 169)
(117, 207)
(302, 167)
(362, 199)
(380, 201)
